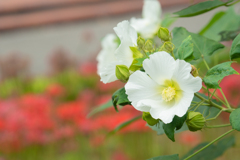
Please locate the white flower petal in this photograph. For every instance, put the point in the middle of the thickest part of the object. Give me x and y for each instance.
(106, 55)
(125, 30)
(141, 87)
(108, 73)
(179, 109)
(160, 66)
(151, 9)
(141, 106)
(165, 115)
(186, 81)
(145, 27)
(123, 52)
(109, 42)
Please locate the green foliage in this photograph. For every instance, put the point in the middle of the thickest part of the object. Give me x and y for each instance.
(185, 50)
(235, 49)
(229, 21)
(229, 35)
(201, 8)
(167, 157)
(120, 98)
(124, 124)
(136, 64)
(235, 119)
(214, 19)
(177, 123)
(217, 73)
(159, 128)
(202, 45)
(100, 108)
(213, 151)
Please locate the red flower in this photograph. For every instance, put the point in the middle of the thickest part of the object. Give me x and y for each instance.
(55, 90)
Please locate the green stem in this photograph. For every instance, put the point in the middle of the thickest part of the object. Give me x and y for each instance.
(218, 126)
(227, 5)
(212, 103)
(199, 105)
(212, 94)
(205, 63)
(228, 106)
(214, 117)
(209, 144)
(215, 96)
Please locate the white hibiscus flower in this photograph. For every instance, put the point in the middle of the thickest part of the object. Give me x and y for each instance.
(109, 45)
(150, 23)
(165, 89)
(109, 58)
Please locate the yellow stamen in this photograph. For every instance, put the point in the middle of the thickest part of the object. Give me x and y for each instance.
(168, 94)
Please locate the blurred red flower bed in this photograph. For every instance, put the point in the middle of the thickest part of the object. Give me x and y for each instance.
(59, 110)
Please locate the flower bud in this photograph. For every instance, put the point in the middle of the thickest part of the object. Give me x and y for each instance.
(167, 46)
(163, 34)
(122, 73)
(195, 121)
(146, 116)
(148, 46)
(194, 71)
(140, 42)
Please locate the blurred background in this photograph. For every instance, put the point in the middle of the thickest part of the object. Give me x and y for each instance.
(49, 84)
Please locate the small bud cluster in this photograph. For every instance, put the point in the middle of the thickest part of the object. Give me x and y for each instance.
(165, 36)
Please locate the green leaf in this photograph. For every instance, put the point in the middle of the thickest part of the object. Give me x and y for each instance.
(159, 128)
(200, 8)
(124, 124)
(167, 157)
(235, 119)
(214, 19)
(202, 45)
(235, 49)
(120, 98)
(213, 151)
(229, 35)
(217, 73)
(185, 50)
(228, 22)
(100, 108)
(168, 21)
(177, 123)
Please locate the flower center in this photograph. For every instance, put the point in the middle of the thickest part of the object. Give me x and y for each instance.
(168, 94)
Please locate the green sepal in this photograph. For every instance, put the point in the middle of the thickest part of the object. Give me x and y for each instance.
(136, 52)
(136, 64)
(146, 116)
